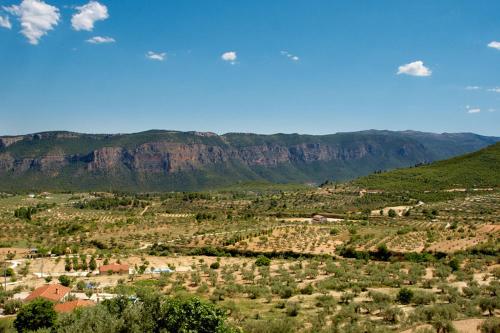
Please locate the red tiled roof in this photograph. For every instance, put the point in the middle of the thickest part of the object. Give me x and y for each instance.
(115, 268)
(52, 292)
(70, 306)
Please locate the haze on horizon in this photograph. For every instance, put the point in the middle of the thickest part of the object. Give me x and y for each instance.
(239, 66)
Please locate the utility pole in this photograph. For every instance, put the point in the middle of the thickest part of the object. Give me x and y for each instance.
(5, 275)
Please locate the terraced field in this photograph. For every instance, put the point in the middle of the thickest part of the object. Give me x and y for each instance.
(264, 259)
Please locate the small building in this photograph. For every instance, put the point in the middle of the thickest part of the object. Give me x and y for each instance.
(72, 305)
(114, 269)
(165, 270)
(32, 253)
(319, 219)
(99, 297)
(52, 292)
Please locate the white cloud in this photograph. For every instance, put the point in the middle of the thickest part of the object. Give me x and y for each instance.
(491, 110)
(494, 45)
(88, 14)
(472, 88)
(230, 56)
(496, 89)
(290, 56)
(100, 40)
(472, 110)
(36, 17)
(5, 22)
(415, 68)
(156, 56)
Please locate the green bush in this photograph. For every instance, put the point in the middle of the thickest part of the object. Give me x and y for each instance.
(35, 315)
(262, 261)
(491, 325)
(404, 296)
(307, 290)
(286, 292)
(334, 231)
(423, 298)
(65, 280)
(12, 306)
(292, 309)
(7, 272)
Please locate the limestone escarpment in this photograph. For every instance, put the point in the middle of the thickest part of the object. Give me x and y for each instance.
(152, 158)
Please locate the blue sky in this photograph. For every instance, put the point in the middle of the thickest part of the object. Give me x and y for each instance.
(260, 66)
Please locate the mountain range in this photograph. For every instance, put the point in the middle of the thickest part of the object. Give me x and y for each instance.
(160, 160)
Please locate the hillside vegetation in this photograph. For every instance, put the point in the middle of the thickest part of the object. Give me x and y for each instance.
(476, 170)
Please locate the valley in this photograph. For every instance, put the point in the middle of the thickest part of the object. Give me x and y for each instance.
(339, 257)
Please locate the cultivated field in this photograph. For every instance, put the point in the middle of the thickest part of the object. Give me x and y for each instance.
(372, 262)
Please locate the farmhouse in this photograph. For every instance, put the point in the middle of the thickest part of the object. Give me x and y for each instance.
(51, 292)
(319, 219)
(71, 305)
(114, 269)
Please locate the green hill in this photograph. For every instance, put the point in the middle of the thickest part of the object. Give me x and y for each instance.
(480, 169)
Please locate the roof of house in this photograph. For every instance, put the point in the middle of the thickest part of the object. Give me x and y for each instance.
(52, 292)
(70, 306)
(114, 268)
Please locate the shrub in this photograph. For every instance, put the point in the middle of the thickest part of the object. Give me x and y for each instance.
(307, 290)
(292, 309)
(489, 304)
(12, 306)
(80, 285)
(92, 264)
(491, 325)
(454, 264)
(392, 314)
(35, 315)
(346, 298)
(404, 296)
(325, 301)
(65, 280)
(8, 272)
(423, 298)
(286, 292)
(379, 297)
(392, 213)
(215, 265)
(382, 252)
(262, 261)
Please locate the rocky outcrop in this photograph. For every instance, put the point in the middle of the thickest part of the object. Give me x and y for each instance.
(9, 140)
(104, 159)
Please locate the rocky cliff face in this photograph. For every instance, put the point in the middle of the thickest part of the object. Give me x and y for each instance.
(165, 154)
(162, 157)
